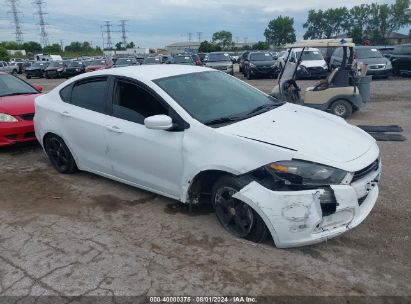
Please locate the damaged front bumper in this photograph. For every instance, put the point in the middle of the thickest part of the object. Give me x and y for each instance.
(295, 218)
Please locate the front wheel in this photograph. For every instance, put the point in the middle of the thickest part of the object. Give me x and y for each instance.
(235, 216)
(59, 154)
(342, 108)
(14, 73)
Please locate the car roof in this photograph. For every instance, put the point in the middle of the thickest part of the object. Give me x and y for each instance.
(150, 72)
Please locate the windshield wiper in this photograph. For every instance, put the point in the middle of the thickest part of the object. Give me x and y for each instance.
(262, 109)
(221, 120)
(15, 94)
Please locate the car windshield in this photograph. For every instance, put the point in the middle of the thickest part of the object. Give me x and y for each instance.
(56, 64)
(39, 65)
(124, 61)
(98, 62)
(261, 57)
(229, 100)
(10, 85)
(309, 55)
(214, 57)
(152, 60)
(75, 64)
(364, 53)
(182, 59)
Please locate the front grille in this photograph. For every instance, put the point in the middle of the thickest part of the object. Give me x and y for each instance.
(28, 116)
(362, 199)
(367, 170)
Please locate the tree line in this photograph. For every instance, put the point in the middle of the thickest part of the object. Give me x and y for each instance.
(365, 23)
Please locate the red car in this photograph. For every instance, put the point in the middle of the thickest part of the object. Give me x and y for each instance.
(98, 64)
(16, 110)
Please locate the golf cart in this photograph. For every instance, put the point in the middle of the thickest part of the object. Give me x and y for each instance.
(343, 92)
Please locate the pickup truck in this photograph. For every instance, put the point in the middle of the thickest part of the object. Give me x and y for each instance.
(6, 68)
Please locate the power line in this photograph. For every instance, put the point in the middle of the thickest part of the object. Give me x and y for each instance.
(40, 12)
(123, 33)
(107, 25)
(16, 20)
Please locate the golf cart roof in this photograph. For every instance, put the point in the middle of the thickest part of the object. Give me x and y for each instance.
(322, 43)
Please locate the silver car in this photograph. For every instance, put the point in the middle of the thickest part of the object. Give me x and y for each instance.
(220, 61)
(8, 68)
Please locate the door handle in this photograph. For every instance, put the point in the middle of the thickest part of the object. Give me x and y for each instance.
(114, 129)
(65, 114)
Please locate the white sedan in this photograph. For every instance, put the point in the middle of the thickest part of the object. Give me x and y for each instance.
(270, 168)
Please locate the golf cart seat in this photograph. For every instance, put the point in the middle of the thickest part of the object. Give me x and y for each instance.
(324, 83)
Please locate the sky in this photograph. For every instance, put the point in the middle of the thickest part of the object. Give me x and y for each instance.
(159, 22)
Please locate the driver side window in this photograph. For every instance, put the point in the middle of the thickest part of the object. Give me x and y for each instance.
(134, 103)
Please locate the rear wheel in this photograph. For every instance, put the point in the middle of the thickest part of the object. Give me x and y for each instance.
(14, 73)
(59, 154)
(235, 216)
(28, 77)
(342, 108)
(249, 76)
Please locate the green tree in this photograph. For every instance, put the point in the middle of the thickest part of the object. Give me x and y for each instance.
(10, 45)
(224, 39)
(326, 24)
(131, 45)
(207, 47)
(52, 49)
(261, 45)
(31, 47)
(280, 31)
(4, 55)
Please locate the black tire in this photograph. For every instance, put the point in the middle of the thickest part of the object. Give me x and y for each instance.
(249, 76)
(341, 108)
(59, 154)
(234, 215)
(28, 77)
(239, 67)
(396, 70)
(14, 73)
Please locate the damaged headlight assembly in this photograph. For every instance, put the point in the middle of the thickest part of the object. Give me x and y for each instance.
(296, 172)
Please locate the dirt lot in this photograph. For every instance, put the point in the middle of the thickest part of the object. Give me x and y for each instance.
(85, 235)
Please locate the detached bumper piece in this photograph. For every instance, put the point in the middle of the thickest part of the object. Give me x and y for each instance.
(297, 218)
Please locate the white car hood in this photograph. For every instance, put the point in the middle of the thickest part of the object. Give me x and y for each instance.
(312, 134)
(313, 63)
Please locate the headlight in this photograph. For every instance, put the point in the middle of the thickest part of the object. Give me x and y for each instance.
(297, 172)
(252, 65)
(7, 118)
(388, 65)
(59, 69)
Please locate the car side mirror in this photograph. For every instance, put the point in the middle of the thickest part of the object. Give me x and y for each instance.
(39, 88)
(158, 122)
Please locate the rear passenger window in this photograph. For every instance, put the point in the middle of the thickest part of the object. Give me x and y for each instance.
(90, 94)
(65, 93)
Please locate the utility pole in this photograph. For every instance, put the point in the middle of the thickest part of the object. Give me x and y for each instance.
(123, 33)
(102, 35)
(61, 45)
(199, 36)
(16, 20)
(107, 25)
(44, 40)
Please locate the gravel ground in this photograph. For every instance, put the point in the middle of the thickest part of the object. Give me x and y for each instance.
(86, 235)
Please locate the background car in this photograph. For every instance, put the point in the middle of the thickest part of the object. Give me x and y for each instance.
(241, 59)
(312, 64)
(202, 56)
(74, 68)
(123, 62)
(16, 110)
(378, 65)
(401, 59)
(166, 59)
(36, 69)
(220, 61)
(183, 59)
(55, 69)
(197, 59)
(260, 64)
(153, 60)
(8, 68)
(98, 64)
